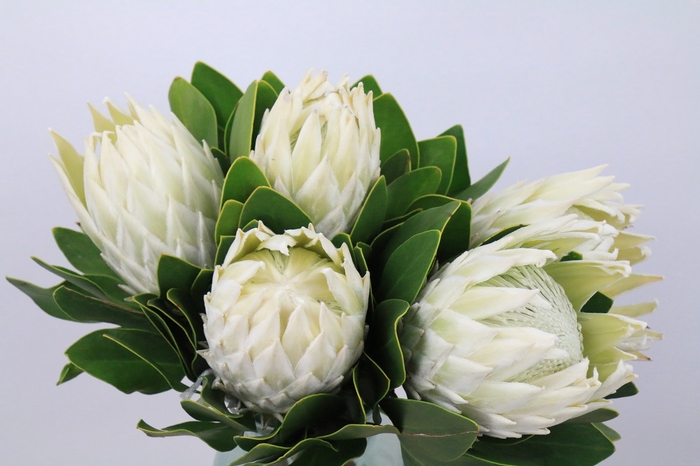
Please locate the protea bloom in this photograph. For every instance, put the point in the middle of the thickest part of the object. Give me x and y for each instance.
(497, 334)
(319, 146)
(285, 317)
(153, 189)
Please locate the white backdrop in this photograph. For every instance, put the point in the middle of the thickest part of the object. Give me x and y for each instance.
(557, 86)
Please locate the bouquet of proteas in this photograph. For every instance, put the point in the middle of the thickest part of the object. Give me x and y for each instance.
(296, 263)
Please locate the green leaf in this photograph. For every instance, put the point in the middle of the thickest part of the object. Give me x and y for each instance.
(455, 236)
(242, 179)
(480, 188)
(323, 456)
(407, 268)
(194, 111)
(72, 277)
(274, 82)
(276, 211)
(216, 435)
(221, 157)
(383, 340)
(69, 372)
(369, 83)
(340, 239)
(397, 165)
(598, 303)
(599, 415)
(628, 389)
(371, 217)
(607, 431)
(569, 444)
(221, 93)
(81, 252)
(130, 360)
(246, 119)
(83, 308)
(396, 131)
(42, 297)
(225, 243)
(430, 434)
(371, 383)
(174, 272)
(496, 236)
(409, 187)
(439, 152)
(267, 454)
(227, 223)
(460, 178)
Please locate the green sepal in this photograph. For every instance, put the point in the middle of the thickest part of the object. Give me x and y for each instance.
(194, 111)
(245, 123)
(369, 83)
(429, 434)
(480, 188)
(130, 360)
(455, 236)
(598, 303)
(460, 178)
(274, 82)
(276, 211)
(628, 389)
(69, 372)
(396, 130)
(216, 435)
(42, 297)
(229, 217)
(81, 252)
(396, 166)
(222, 94)
(372, 214)
(409, 187)
(383, 343)
(242, 179)
(439, 152)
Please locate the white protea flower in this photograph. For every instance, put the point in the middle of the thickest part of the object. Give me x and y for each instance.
(319, 146)
(145, 187)
(496, 334)
(285, 317)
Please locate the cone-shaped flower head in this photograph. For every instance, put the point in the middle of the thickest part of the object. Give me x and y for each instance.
(285, 317)
(496, 334)
(319, 146)
(145, 187)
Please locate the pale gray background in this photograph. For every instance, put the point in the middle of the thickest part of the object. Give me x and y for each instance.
(558, 86)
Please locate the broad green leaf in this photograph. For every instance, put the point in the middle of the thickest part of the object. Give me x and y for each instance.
(610, 433)
(242, 179)
(340, 239)
(409, 187)
(83, 308)
(371, 383)
(268, 454)
(598, 303)
(174, 272)
(397, 165)
(130, 360)
(72, 277)
(628, 389)
(221, 93)
(217, 400)
(371, 217)
(430, 434)
(42, 297)
(342, 455)
(369, 83)
(227, 223)
(455, 236)
(599, 415)
(246, 119)
(274, 82)
(439, 152)
(225, 243)
(69, 372)
(81, 252)
(396, 131)
(407, 268)
(460, 178)
(216, 435)
(480, 188)
(276, 211)
(203, 412)
(383, 340)
(194, 111)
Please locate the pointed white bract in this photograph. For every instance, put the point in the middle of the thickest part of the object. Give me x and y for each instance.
(319, 146)
(144, 188)
(285, 317)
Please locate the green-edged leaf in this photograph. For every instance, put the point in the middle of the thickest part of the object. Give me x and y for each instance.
(628, 389)
(246, 119)
(460, 177)
(267, 454)
(371, 217)
(274, 82)
(130, 360)
(369, 83)
(221, 93)
(361, 253)
(396, 131)
(599, 415)
(72, 277)
(598, 303)
(455, 236)
(227, 223)
(203, 412)
(496, 236)
(397, 165)
(216, 435)
(81, 252)
(276, 211)
(83, 308)
(69, 372)
(569, 444)
(371, 383)
(383, 340)
(225, 243)
(439, 152)
(342, 238)
(242, 179)
(222, 158)
(42, 297)
(610, 433)
(430, 434)
(174, 272)
(194, 111)
(322, 456)
(409, 187)
(480, 188)
(407, 268)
